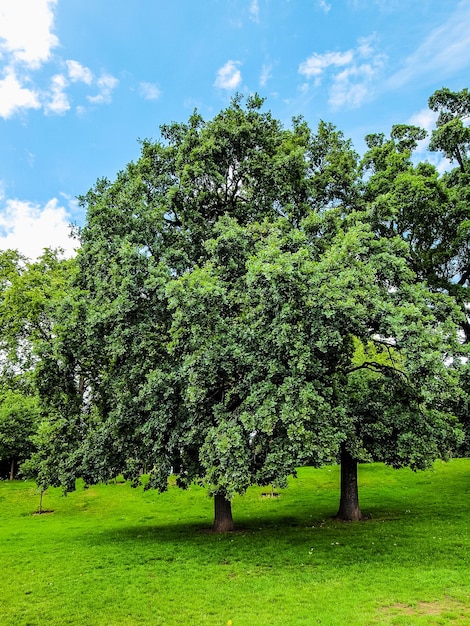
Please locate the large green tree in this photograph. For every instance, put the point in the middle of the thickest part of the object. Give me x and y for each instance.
(225, 281)
(143, 231)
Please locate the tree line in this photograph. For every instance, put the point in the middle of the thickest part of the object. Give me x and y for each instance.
(248, 298)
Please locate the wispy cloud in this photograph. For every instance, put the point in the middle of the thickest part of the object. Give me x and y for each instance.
(58, 104)
(446, 50)
(149, 91)
(78, 73)
(350, 74)
(106, 84)
(254, 11)
(228, 76)
(324, 6)
(316, 64)
(265, 75)
(424, 119)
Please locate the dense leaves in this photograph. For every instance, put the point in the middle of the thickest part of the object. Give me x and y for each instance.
(249, 298)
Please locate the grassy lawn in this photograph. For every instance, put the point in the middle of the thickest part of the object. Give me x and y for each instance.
(113, 555)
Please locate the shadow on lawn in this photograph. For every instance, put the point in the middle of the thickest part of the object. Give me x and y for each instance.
(281, 529)
(261, 543)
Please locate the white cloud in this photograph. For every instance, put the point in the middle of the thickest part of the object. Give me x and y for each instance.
(149, 91)
(26, 30)
(106, 83)
(27, 42)
(324, 6)
(351, 73)
(229, 76)
(345, 91)
(14, 96)
(424, 119)
(254, 11)
(30, 228)
(446, 50)
(354, 85)
(427, 119)
(79, 73)
(318, 63)
(265, 75)
(58, 103)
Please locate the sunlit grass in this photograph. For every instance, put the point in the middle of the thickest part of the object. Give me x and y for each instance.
(113, 555)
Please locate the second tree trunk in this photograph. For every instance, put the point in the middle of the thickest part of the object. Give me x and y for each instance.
(349, 503)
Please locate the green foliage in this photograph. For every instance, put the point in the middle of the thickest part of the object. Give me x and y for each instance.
(19, 416)
(452, 136)
(33, 294)
(428, 211)
(153, 227)
(266, 359)
(30, 295)
(221, 287)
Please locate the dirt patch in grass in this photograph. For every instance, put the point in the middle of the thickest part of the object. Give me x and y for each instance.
(449, 608)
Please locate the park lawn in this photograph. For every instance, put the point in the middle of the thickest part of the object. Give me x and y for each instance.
(112, 555)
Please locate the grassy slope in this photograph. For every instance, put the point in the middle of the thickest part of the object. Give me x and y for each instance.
(116, 556)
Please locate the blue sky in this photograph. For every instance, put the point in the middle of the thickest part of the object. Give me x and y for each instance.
(82, 80)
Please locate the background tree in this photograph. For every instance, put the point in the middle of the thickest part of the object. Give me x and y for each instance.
(19, 417)
(451, 136)
(32, 292)
(429, 211)
(369, 297)
(29, 296)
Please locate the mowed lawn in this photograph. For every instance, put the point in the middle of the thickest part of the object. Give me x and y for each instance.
(115, 555)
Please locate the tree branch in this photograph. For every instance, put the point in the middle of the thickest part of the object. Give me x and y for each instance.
(376, 367)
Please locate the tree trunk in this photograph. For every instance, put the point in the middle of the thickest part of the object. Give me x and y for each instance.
(12, 469)
(223, 521)
(349, 510)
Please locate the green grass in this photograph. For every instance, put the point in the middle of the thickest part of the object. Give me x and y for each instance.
(111, 555)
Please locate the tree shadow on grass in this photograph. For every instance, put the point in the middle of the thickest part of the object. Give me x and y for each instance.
(309, 537)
